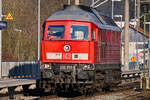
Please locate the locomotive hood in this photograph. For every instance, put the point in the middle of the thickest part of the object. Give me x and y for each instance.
(84, 13)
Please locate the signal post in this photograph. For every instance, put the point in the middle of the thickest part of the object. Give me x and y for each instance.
(145, 79)
(0, 40)
(126, 65)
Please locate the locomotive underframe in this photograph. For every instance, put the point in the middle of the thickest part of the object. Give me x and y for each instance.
(75, 76)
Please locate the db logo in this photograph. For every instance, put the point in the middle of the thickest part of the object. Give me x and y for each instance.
(66, 55)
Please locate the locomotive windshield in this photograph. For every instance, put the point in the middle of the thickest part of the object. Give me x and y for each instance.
(79, 32)
(55, 32)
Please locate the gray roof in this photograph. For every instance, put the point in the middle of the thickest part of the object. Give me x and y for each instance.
(82, 13)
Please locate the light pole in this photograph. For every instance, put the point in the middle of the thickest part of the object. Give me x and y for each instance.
(0, 40)
(68, 2)
(39, 39)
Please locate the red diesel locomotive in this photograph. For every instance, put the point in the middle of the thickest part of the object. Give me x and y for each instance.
(80, 50)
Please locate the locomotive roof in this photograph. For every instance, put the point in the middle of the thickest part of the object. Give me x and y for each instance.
(84, 13)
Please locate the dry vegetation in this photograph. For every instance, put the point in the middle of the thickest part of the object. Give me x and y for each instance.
(20, 38)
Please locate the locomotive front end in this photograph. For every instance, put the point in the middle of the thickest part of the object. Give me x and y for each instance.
(67, 52)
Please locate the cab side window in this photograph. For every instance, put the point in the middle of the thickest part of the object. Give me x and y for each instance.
(93, 35)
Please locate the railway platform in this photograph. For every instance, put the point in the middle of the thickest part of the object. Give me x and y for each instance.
(18, 73)
(11, 84)
(4, 83)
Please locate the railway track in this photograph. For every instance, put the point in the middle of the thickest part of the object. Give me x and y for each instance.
(115, 90)
(73, 96)
(129, 81)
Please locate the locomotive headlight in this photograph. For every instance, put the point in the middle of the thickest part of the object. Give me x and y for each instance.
(67, 48)
(88, 67)
(47, 66)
